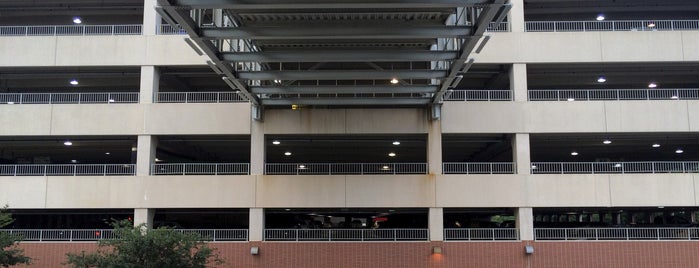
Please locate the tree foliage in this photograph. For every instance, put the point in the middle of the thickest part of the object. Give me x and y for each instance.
(157, 248)
(10, 254)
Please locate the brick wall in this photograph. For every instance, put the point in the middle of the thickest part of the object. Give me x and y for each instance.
(416, 254)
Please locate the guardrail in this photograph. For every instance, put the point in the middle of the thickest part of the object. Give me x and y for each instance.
(607, 25)
(478, 95)
(61, 234)
(478, 168)
(344, 168)
(614, 167)
(667, 233)
(481, 234)
(167, 29)
(219, 234)
(613, 94)
(413, 234)
(68, 170)
(502, 27)
(199, 97)
(201, 169)
(69, 98)
(55, 30)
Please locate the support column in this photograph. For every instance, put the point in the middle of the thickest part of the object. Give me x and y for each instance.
(144, 216)
(434, 147)
(521, 153)
(151, 18)
(525, 223)
(436, 224)
(518, 81)
(145, 154)
(516, 16)
(257, 148)
(256, 227)
(150, 83)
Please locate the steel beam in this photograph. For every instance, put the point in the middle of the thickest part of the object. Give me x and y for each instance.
(347, 101)
(341, 56)
(334, 32)
(342, 75)
(342, 89)
(324, 4)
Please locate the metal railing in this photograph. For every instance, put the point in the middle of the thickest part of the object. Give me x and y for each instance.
(199, 97)
(481, 234)
(478, 95)
(613, 94)
(167, 29)
(68, 170)
(55, 30)
(502, 27)
(478, 168)
(69, 98)
(614, 167)
(61, 234)
(344, 168)
(413, 234)
(219, 234)
(201, 169)
(665, 233)
(620, 25)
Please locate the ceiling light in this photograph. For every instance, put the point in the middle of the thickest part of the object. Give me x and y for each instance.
(651, 24)
(74, 82)
(607, 142)
(77, 20)
(384, 167)
(600, 17)
(391, 154)
(617, 165)
(394, 81)
(10, 102)
(73, 161)
(601, 79)
(67, 143)
(107, 153)
(679, 151)
(656, 145)
(287, 209)
(675, 97)
(574, 153)
(533, 166)
(287, 153)
(302, 166)
(396, 143)
(111, 100)
(571, 99)
(277, 81)
(652, 85)
(276, 142)
(158, 160)
(133, 149)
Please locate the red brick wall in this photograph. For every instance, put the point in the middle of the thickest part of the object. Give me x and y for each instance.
(416, 254)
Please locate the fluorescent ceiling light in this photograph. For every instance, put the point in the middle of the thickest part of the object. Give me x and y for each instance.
(601, 79)
(679, 151)
(652, 85)
(276, 142)
(600, 17)
(77, 20)
(396, 143)
(74, 82)
(574, 153)
(394, 81)
(607, 142)
(656, 145)
(391, 154)
(287, 153)
(571, 99)
(67, 143)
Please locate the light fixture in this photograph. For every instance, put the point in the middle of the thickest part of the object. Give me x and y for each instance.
(607, 141)
(571, 99)
(287, 153)
(158, 160)
(436, 250)
(74, 82)
(675, 97)
(391, 154)
(533, 166)
(276, 142)
(10, 102)
(294, 106)
(277, 81)
(394, 81)
(574, 153)
(111, 100)
(529, 249)
(651, 24)
(384, 167)
(302, 166)
(107, 153)
(254, 250)
(600, 17)
(656, 145)
(67, 143)
(396, 143)
(73, 161)
(601, 79)
(617, 165)
(679, 151)
(133, 149)
(77, 20)
(652, 85)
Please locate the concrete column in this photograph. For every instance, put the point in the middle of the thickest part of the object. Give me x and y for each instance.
(150, 83)
(145, 154)
(434, 147)
(143, 216)
(436, 224)
(521, 153)
(518, 81)
(516, 16)
(257, 224)
(257, 148)
(151, 19)
(525, 223)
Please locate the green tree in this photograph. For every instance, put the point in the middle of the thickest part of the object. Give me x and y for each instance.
(157, 248)
(10, 254)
